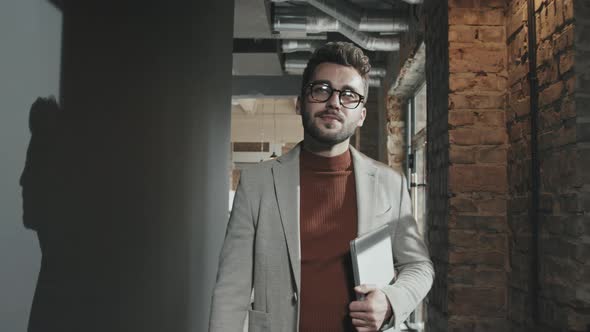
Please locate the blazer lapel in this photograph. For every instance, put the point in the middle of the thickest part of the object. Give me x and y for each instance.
(364, 176)
(286, 181)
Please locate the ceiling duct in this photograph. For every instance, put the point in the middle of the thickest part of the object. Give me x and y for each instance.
(359, 19)
(295, 65)
(311, 20)
(290, 46)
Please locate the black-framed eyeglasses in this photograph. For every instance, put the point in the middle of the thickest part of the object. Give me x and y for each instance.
(321, 92)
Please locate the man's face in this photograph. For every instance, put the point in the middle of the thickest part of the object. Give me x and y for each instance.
(329, 122)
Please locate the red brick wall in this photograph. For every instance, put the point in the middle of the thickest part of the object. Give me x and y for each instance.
(564, 276)
(396, 139)
(477, 183)
(467, 178)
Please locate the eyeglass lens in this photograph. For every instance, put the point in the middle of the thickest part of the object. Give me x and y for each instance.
(322, 92)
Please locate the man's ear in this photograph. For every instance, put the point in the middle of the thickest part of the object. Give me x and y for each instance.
(298, 105)
(362, 118)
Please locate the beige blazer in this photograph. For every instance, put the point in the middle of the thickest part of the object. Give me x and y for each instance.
(259, 266)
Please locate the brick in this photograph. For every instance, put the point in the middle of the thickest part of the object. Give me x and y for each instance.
(568, 10)
(566, 62)
(563, 40)
(489, 302)
(477, 3)
(492, 34)
(521, 107)
(475, 276)
(463, 239)
(550, 94)
(461, 118)
(479, 223)
(492, 118)
(497, 206)
(548, 119)
(477, 82)
(559, 19)
(570, 85)
(519, 130)
(476, 16)
(516, 20)
(492, 155)
(493, 136)
(460, 204)
(476, 59)
(477, 34)
(567, 135)
(519, 72)
(548, 74)
(460, 101)
(487, 258)
(463, 136)
(466, 178)
(461, 155)
(544, 52)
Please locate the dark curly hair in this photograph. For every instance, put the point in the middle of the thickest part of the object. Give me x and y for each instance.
(342, 53)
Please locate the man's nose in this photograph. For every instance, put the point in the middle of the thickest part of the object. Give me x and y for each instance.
(334, 100)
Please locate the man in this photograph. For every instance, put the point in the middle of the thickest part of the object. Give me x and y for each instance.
(285, 262)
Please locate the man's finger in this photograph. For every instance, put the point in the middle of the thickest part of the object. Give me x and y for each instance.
(365, 289)
(359, 322)
(362, 315)
(359, 306)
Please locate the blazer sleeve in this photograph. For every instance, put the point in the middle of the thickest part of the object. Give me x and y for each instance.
(231, 294)
(415, 269)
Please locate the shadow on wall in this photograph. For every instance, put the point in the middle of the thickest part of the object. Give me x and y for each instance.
(47, 196)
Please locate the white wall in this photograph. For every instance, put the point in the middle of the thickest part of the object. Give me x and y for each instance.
(30, 44)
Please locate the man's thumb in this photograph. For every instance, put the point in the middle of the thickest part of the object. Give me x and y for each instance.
(365, 289)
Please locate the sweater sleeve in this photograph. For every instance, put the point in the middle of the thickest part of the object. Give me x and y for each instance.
(415, 269)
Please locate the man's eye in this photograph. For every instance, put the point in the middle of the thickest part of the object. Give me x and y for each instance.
(350, 95)
(321, 89)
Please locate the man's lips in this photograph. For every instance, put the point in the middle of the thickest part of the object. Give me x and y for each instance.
(329, 116)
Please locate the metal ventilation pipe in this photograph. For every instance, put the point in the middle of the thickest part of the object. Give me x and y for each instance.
(295, 65)
(293, 17)
(311, 21)
(377, 72)
(299, 45)
(358, 19)
(374, 82)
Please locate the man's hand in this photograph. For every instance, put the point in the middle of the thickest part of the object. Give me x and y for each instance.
(369, 314)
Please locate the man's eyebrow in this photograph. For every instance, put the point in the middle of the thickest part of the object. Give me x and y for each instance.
(322, 81)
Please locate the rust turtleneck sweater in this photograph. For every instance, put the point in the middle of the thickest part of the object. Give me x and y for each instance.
(328, 224)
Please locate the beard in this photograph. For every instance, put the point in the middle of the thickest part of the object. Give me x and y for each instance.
(319, 132)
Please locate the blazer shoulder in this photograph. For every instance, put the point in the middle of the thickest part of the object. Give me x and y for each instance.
(383, 169)
(257, 173)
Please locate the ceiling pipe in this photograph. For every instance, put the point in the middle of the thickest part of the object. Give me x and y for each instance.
(311, 21)
(295, 65)
(298, 45)
(359, 19)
